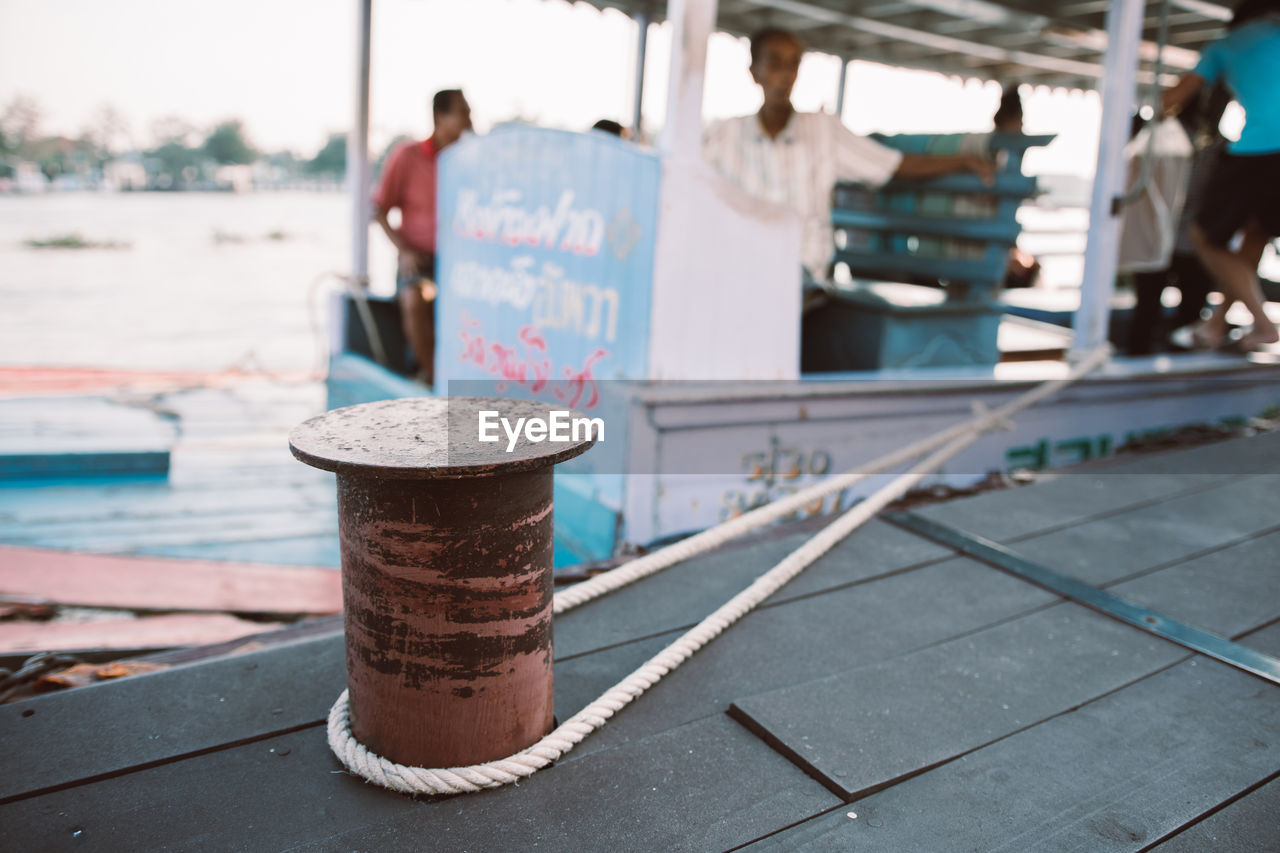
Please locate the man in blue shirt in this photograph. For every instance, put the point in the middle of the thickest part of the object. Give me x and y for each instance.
(1244, 193)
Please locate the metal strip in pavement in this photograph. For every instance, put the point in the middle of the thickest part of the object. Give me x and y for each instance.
(1106, 603)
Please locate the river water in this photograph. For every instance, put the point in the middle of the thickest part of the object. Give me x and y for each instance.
(209, 281)
(204, 281)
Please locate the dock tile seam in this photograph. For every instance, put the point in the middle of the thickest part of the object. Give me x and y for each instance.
(1211, 812)
(743, 719)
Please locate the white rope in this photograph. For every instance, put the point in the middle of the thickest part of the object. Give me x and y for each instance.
(714, 537)
(493, 774)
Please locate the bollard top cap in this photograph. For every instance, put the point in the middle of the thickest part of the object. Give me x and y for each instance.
(422, 438)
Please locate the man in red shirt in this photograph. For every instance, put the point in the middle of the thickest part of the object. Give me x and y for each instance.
(409, 183)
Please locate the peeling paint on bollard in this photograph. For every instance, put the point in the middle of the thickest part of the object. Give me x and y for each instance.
(446, 573)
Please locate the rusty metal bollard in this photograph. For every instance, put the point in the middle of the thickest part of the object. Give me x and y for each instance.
(446, 575)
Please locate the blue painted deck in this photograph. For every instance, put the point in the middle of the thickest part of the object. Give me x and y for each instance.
(233, 491)
(79, 437)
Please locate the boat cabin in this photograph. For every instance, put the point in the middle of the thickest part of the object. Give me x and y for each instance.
(637, 284)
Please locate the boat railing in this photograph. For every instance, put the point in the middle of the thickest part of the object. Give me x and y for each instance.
(956, 229)
(955, 232)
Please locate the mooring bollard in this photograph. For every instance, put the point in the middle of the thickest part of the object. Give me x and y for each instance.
(446, 574)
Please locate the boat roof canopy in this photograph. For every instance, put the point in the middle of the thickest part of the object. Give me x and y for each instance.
(1041, 42)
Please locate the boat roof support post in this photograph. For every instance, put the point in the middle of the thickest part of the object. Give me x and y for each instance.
(358, 148)
(1118, 89)
(358, 176)
(642, 45)
(692, 23)
(844, 78)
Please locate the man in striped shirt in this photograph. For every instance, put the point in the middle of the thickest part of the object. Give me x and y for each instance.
(795, 158)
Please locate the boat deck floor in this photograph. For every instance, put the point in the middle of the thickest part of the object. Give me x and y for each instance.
(896, 696)
(232, 490)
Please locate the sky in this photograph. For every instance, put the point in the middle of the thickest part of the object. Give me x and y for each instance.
(287, 68)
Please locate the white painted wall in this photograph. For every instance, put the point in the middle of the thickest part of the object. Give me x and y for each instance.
(726, 277)
(726, 281)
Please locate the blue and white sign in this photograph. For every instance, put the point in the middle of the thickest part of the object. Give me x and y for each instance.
(545, 260)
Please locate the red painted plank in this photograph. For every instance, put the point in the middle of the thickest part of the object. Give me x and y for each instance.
(36, 381)
(155, 583)
(187, 629)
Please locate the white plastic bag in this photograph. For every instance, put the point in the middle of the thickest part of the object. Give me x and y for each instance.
(1149, 224)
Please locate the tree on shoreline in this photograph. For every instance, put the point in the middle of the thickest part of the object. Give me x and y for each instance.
(19, 128)
(226, 144)
(172, 158)
(109, 132)
(19, 124)
(179, 154)
(332, 158)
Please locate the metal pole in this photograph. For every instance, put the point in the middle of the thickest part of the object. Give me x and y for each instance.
(446, 546)
(358, 150)
(692, 22)
(642, 44)
(844, 77)
(357, 186)
(1119, 81)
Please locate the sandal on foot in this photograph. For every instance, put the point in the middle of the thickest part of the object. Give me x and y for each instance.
(1204, 339)
(1253, 341)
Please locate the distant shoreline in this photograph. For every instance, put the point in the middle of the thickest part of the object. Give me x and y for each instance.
(309, 186)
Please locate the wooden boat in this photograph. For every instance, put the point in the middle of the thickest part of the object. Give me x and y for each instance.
(636, 284)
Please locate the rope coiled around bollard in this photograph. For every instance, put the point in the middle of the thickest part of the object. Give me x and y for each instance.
(493, 774)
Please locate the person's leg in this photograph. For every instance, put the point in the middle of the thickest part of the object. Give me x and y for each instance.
(1195, 283)
(1145, 323)
(419, 327)
(1237, 275)
(1264, 331)
(416, 293)
(1241, 191)
(424, 319)
(1222, 212)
